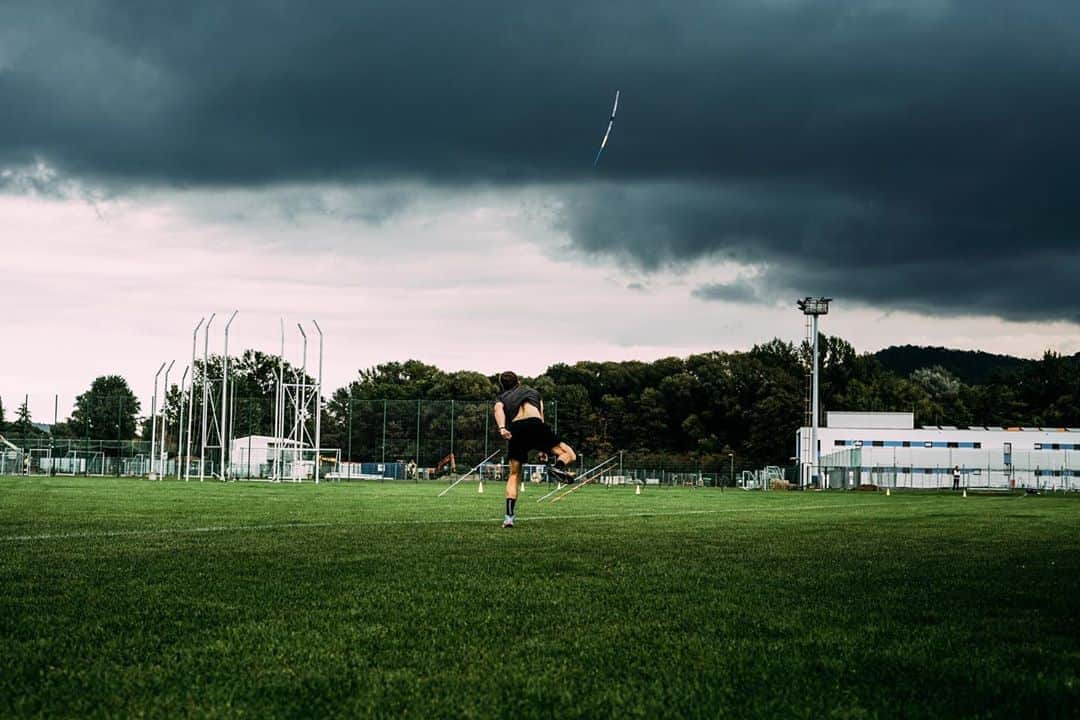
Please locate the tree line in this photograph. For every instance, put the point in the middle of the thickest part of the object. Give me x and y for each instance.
(692, 411)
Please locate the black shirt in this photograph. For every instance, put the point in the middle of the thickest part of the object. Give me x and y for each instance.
(514, 398)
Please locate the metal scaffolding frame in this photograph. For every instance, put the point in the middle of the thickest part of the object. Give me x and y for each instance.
(295, 404)
(214, 407)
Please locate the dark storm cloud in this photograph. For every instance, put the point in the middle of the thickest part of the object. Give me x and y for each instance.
(735, 292)
(904, 153)
(803, 241)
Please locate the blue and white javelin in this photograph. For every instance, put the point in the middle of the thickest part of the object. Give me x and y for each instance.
(611, 122)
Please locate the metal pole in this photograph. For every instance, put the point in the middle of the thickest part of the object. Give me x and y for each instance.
(162, 452)
(191, 401)
(279, 409)
(452, 462)
(119, 422)
(384, 430)
(153, 416)
(350, 422)
(815, 456)
(300, 425)
(248, 403)
(180, 429)
(232, 423)
(223, 433)
(303, 369)
(417, 433)
(318, 405)
(205, 394)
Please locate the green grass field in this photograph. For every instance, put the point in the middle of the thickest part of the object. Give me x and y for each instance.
(126, 597)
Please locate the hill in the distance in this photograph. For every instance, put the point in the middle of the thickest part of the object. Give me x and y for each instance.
(971, 366)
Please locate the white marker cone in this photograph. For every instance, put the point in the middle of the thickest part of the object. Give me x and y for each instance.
(637, 489)
(888, 492)
(480, 487)
(965, 492)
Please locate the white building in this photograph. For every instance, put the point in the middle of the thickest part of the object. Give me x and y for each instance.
(253, 457)
(886, 449)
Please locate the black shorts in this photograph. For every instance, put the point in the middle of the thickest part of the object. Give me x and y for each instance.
(530, 434)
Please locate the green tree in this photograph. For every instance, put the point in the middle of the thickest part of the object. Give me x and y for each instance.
(23, 425)
(107, 411)
(2, 425)
(669, 412)
(945, 391)
(253, 379)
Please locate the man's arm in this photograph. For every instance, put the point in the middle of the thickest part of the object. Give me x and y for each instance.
(500, 419)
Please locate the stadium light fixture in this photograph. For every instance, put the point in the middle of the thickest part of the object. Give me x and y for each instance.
(814, 308)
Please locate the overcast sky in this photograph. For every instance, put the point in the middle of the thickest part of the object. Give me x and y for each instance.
(418, 177)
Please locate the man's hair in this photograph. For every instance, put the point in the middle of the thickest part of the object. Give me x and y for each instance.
(508, 380)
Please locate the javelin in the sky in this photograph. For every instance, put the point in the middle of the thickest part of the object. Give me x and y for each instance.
(610, 123)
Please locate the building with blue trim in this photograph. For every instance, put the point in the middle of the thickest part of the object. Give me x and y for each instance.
(886, 449)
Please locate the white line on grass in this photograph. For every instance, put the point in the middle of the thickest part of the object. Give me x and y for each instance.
(662, 513)
(159, 531)
(537, 518)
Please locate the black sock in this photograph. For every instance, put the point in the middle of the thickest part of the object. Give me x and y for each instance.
(510, 503)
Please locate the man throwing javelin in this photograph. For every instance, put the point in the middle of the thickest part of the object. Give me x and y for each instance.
(527, 431)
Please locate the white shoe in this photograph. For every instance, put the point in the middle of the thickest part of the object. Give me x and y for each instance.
(508, 523)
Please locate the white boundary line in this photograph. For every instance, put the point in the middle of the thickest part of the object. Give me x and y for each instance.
(158, 531)
(448, 521)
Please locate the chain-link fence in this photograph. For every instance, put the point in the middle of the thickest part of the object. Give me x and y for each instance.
(42, 455)
(954, 469)
(359, 439)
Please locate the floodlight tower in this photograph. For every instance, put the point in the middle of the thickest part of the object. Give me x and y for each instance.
(814, 308)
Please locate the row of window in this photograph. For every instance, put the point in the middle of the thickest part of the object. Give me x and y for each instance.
(943, 444)
(907, 444)
(918, 470)
(963, 471)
